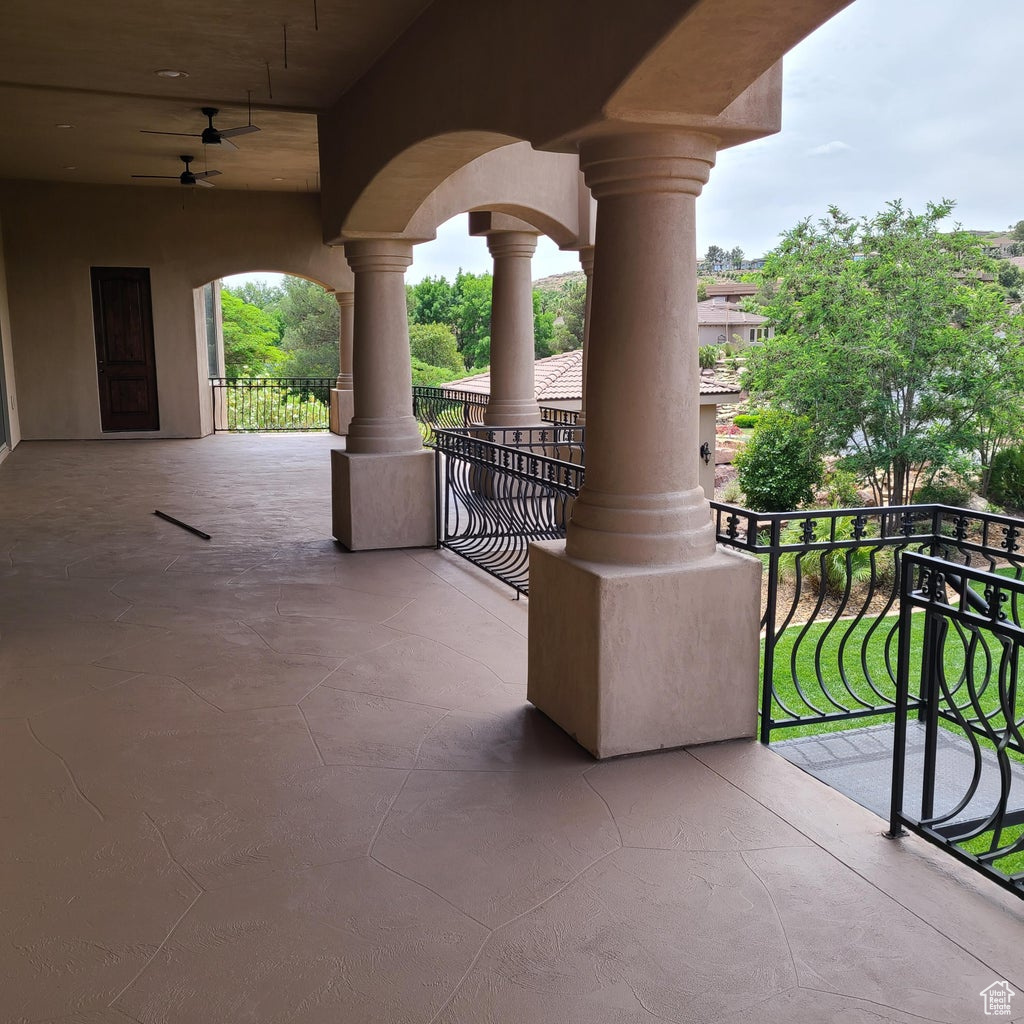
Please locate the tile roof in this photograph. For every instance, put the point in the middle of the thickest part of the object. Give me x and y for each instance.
(731, 288)
(559, 378)
(727, 314)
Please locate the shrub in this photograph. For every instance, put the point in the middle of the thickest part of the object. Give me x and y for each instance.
(943, 492)
(426, 375)
(1006, 485)
(746, 420)
(780, 466)
(434, 344)
(732, 493)
(841, 489)
(831, 569)
(707, 356)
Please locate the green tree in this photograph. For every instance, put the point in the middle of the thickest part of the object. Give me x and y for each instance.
(471, 317)
(570, 305)
(885, 338)
(543, 326)
(736, 258)
(309, 316)
(251, 338)
(430, 301)
(780, 465)
(1018, 230)
(716, 257)
(434, 345)
(263, 294)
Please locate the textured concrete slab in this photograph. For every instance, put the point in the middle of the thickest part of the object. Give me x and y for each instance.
(264, 779)
(858, 762)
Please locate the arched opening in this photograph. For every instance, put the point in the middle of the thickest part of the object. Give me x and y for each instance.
(271, 343)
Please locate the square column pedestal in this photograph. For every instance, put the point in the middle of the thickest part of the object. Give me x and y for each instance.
(628, 660)
(342, 410)
(383, 501)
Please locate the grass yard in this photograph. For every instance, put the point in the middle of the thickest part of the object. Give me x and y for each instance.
(865, 654)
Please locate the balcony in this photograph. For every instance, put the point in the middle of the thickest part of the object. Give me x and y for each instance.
(258, 778)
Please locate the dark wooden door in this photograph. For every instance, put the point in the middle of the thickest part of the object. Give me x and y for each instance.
(125, 359)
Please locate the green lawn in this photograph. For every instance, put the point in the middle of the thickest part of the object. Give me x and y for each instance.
(867, 654)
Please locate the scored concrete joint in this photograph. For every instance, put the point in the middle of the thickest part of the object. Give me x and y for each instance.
(383, 501)
(629, 660)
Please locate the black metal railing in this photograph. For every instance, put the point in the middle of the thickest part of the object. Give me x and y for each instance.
(452, 409)
(446, 409)
(264, 404)
(830, 598)
(958, 663)
(500, 490)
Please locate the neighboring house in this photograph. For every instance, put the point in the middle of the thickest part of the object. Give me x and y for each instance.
(720, 320)
(558, 383)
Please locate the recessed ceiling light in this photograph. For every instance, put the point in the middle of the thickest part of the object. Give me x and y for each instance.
(64, 124)
(71, 167)
(170, 73)
(277, 179)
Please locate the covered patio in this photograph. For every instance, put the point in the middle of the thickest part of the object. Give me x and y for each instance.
(260, 778)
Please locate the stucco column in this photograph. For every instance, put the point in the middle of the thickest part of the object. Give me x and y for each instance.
(342, 396)
(587, 263)
(642, 503)
(512, 402)
(381, 364)
(643, 635)
(383, 483)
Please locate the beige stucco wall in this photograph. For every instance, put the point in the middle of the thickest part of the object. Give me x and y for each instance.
(7, 350)
(54, 233)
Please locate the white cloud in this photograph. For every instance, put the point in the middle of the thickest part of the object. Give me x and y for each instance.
(830, 149)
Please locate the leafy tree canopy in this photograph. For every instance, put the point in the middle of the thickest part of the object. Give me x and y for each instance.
(887, 340)
(310, 319)
(251, 338)
(434, 344)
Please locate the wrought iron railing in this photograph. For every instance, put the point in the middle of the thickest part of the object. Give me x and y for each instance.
(452, 409)
(830, 598)
(265, 404)
(958, 666)
(500, 490)
(446, 409)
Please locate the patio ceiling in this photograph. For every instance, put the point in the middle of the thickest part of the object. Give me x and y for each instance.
(94, 66)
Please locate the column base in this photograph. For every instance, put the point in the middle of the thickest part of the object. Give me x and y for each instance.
(383, 501)
(342, 410)
(630, 660)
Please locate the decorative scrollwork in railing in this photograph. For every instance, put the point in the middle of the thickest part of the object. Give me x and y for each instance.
(494, 500)
(964, 790)
(831, 596)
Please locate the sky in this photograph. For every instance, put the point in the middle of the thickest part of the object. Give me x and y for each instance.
(891, 99)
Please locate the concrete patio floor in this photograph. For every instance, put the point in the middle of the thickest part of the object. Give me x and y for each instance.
(260, 779)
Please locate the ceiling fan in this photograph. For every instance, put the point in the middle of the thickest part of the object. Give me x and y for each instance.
(211, 135)
(187, 176)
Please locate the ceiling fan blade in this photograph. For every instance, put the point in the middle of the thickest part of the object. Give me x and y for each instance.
(203, 183)
(187, 135)
(204, 174)
(245, 129)
(223, 143)
(169, 177)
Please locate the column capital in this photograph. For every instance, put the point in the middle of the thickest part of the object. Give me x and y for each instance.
(521, 244)
(345, 298)
(379, 255)
(633, 163)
